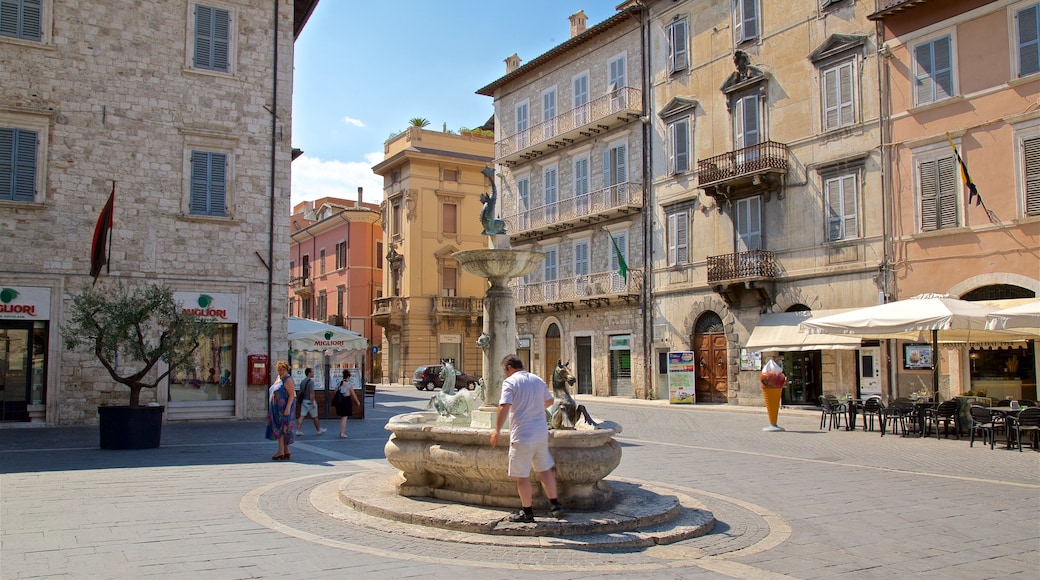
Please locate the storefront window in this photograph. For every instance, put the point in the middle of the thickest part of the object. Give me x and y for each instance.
(213, 377)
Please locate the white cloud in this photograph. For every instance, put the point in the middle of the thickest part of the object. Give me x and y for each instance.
(353, 121)
(313, 178)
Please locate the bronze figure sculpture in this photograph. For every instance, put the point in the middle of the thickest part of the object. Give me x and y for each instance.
(565, 412)
(491, 225)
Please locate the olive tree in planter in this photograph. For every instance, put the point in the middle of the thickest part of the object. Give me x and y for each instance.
(131, 328)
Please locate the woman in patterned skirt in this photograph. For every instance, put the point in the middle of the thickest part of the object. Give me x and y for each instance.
(281, 411)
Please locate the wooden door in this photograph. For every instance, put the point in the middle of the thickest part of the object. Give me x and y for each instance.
(712, 373)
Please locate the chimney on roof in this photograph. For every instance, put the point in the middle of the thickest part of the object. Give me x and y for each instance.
(512, 63)
(359, 190)
(578, 23)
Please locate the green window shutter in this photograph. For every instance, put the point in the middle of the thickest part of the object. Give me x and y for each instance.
(18, 164)
(1031, 162)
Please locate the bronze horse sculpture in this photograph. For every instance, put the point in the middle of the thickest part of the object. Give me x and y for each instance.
(565, 412)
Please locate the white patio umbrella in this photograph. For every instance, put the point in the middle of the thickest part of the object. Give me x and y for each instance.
(1025, 317)
(944, 318)
(305, 334)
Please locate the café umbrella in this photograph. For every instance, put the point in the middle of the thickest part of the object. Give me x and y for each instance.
(939, 317)
(1024, 318)
(305, 334)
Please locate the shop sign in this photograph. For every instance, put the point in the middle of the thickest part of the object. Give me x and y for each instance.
(524, 342)
(620, 342)
(682, 377)
(25, 303)
(218, 307)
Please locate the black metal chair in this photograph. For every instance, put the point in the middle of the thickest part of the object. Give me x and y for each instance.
(872, 408)
(983, 421)
(946, 414)
(832, 411)
(1028, 420)
(898, 412)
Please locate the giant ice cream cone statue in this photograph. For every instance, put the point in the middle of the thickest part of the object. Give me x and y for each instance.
(773, 381)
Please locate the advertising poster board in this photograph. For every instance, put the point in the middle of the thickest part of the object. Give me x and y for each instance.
(682, 377)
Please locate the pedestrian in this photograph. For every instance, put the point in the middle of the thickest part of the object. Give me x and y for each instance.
(308, 406)
(344, 401)
(281, 406)
(525, 397)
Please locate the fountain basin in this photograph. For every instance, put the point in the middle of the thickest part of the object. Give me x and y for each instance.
(458, 464)
(499, 263)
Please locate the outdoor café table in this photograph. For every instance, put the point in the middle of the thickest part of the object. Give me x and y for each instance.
(1010, 414)
(852, 407)
(920, 411)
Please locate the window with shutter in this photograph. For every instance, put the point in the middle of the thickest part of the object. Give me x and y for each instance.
(22, 19)
(212, 38)
(745, 20)
(614, 165)
(449, 281)
(678, 46)
(842, 215)
(581, 99)
(680, 137)
(839, 96)
(748, 216)
(1031, 163)
(450, 218)
(581, 184)
(523, 202)
(549, 113)
(933, 70)
(18, 149)
(522, 124)
(678, 238)
(581, 257)
(208, 183)
(551, 194)
(1028, 26)
(939, 192)
(621, 239)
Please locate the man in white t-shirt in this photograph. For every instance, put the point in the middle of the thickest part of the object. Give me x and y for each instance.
(524, 399)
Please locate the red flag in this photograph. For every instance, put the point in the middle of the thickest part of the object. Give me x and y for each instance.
(101, 248)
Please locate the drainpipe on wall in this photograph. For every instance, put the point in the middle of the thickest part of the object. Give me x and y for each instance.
(274, 165)
(884, 273)
(649, 211)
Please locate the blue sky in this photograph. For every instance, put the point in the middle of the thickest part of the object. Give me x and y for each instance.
(363, 69)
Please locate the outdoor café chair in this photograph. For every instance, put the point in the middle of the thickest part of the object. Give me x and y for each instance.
(983, 421)
(898, 412)
(833, 410)
(1028, 420)
(946, 414)
(872, 408)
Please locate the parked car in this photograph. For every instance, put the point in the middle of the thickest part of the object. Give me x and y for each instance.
(428, 377)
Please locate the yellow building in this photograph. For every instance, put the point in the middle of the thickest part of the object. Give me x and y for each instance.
(431, 309)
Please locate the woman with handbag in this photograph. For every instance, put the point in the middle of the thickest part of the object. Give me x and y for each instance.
(281, 410)
(344, 401)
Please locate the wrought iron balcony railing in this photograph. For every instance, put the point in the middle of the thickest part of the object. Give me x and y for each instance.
(565, 213)
(575, 288)
(753, 264)
(769, 156)
(301, 286)
(624, 105)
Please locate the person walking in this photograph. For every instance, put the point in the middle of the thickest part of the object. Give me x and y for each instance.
(525, 397)
(308, 406)
(281, 406)
(346, 398)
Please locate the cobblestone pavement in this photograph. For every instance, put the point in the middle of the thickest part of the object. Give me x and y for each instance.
(803, 503)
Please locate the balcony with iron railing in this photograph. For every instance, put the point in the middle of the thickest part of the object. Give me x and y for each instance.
(742, 266)
(748, 170)
(590, 289)
(577, 211)
(302, 286)
(610, 111)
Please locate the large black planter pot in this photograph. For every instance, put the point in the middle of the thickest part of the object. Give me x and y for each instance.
(124, 427)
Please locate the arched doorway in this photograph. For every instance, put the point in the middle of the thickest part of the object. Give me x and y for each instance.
(1008, 372)
(552, 347)
(709, 344)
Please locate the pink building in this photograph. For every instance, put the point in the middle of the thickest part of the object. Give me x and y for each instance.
(335, 267)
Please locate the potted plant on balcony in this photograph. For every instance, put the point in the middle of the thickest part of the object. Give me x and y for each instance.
(130, 329)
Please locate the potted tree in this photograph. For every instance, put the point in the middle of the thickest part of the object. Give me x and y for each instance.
(130, 329)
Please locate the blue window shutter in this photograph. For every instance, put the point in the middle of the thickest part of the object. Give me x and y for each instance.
(218, 184)
(221, 39)
(203, 42)
(17, 165)
(21, 18)
(208, 184)
(212, 38)
(1028, 40)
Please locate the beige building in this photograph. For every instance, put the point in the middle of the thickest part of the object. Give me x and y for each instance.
(184, 109)
(965, 71)
(431, 309)
(570, 160)
(767, 194)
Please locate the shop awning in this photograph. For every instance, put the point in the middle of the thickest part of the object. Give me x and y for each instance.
(779, 332)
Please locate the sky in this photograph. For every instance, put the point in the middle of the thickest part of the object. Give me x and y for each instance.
(363, 69)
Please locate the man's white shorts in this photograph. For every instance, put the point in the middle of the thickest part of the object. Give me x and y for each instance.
(308, 407)
(524, 456)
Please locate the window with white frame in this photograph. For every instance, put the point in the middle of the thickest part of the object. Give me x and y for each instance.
(747, 126)
(615, 167)
(550, 182)
(933, 70)
(212, 38)
(616, 82)
(841, 195)
(748, 218)
(18, 164)
(523, 201)
(621, 239)
(1027, 32)
(938, 190)
(745, 20)
(581, 99)
(679, 238)
(549, 113)
(678, 46)
(22, 19)
(581, 184)
(679, 137)
(522, 124)
(209, 187)
(1031, 174)
(341, 255)
(838, 95)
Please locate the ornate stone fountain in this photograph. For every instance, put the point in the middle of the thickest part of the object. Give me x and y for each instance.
(457, 463)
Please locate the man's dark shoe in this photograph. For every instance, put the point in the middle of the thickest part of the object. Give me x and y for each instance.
(557, 511)
(521, 517)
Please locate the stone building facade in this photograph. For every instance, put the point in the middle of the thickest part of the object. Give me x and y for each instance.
(570, 161)
(184, 109)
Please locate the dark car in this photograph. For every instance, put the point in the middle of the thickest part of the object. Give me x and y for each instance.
(428, 377)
